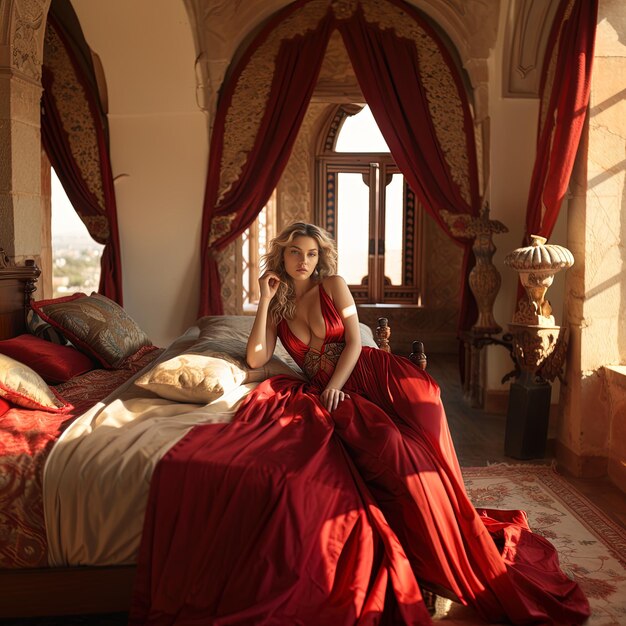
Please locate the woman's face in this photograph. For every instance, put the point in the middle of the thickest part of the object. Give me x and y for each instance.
(301, 257)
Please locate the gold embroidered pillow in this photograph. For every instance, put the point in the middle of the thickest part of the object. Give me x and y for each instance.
(96, 325)
(22, 386)
(195, 378)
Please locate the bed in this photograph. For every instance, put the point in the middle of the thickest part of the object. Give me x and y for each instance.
(122, 418)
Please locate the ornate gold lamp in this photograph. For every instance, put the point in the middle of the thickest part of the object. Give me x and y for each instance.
(539, 346)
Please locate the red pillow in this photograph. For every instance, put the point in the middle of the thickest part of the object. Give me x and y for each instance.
(4, 406)
(54, 363)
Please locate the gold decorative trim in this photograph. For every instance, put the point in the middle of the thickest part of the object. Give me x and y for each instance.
(441, 91)
(220, 226)
(252, 92)
(343, 9)
(71, 101)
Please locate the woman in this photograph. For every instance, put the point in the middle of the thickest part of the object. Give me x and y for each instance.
(328, 500)
(311, 309)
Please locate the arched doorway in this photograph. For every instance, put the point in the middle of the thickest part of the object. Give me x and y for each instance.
(326, 28)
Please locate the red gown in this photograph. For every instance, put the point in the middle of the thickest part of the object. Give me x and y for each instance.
(293, 516)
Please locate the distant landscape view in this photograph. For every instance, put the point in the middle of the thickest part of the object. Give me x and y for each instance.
(76, 264)
(75, 255)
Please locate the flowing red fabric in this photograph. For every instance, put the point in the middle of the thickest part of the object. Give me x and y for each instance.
(101, 221)
(293, 515)
(572, 40)
(296, 70)
(388, 70)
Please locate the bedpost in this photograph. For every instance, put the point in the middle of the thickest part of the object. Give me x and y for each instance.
(30, 287)
(383, 332)
(418, 356)
(17, 284)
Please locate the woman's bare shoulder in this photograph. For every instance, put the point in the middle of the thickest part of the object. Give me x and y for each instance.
(332, 283)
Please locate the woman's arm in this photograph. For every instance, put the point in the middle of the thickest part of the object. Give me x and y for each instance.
(262, 339)
(337, 288)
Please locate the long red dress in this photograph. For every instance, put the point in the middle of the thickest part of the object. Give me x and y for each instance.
(293, 516)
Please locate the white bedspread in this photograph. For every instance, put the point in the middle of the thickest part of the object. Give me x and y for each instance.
(97, 476)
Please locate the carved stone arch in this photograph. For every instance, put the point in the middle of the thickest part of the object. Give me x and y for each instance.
(22, 29)
(527, 30)
(472, 27)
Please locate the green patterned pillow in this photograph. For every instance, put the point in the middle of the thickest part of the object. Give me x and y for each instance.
(96, 325)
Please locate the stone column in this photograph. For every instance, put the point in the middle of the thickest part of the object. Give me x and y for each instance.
(595, 303)
(22, 26)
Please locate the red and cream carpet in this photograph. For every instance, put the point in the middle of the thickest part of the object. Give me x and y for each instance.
(592, 548)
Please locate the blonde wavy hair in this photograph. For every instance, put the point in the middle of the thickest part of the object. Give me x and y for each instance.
(283, 305)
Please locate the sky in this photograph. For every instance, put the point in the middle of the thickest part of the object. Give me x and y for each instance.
(65, 220)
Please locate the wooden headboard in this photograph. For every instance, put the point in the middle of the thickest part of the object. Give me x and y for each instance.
(17, 284)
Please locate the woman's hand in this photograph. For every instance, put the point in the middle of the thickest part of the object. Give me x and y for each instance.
(268, 284)
(332, 397)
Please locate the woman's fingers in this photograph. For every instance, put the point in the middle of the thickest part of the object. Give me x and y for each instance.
(332, 397)
(269, 283)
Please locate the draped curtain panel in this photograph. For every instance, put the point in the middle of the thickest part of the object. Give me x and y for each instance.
(564, 97)
(75, 137)
(409, 81)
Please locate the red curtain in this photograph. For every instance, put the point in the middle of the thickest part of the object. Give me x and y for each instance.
(74, 136)
(389, 73)
(296, 70)
(564, 93)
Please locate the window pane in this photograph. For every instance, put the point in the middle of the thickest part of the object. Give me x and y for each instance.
(394, 211)
(75, 255)
(352, 227)
(360, 133)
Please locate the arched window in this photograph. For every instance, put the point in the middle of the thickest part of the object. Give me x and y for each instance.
(365, 203)
(253, 244)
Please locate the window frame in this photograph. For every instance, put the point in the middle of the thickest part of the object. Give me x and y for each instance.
(380, 164)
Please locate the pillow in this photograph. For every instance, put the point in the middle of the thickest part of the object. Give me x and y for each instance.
(22, 386)
(218, 327)
(54, 363)
(36, 326)
(96, 325)
(4, 406)
(195, 378)
(236, 351)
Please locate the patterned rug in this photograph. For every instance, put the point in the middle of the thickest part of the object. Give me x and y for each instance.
(592, 548)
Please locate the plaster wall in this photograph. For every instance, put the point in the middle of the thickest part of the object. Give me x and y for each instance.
(159, 153)
(513, 137)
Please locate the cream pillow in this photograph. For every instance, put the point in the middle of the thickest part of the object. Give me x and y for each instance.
(194, 378)
(22, 386)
